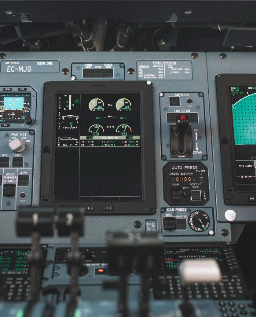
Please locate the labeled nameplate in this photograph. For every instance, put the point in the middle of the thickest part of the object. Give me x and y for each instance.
(40, 66)
(153, 70)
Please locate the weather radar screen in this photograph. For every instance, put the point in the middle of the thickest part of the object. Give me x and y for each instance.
(236, 96)
(243, 102)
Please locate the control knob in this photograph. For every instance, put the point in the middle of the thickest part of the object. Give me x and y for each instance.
(17, 145)
(199, 221)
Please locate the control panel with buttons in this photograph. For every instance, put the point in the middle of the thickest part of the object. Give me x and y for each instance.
(180, 221)
(185, 184)
(16, 168)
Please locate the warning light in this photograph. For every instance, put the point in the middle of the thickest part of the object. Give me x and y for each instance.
(183, 117)
(100, 271)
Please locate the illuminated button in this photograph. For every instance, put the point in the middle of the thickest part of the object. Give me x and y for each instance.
(252, 199)
(17, 161)
(101, 271)
(4, 161)
(5, 125)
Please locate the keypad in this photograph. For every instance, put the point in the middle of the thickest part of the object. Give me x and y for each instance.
(15, 288)
(236, 308)
(170, 287)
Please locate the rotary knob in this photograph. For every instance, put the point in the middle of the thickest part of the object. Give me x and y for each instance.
(17, 145)
(199, 221)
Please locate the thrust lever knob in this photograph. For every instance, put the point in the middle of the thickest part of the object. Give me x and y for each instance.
(17, 145)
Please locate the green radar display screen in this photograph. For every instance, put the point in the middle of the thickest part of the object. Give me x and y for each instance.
(243, 101)
(236, 96)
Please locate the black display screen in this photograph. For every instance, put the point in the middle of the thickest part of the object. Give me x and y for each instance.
(174, 256)
(98, 153)
(243, 103)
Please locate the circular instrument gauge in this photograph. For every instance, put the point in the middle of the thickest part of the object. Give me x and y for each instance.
(96, 129)
(96, 104)
(123, 104)
(199, 221)
(124, 129)
(70, 122)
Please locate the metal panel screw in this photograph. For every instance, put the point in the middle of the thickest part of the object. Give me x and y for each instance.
(65, 71)
(194, 55)
(223, 55)
(224, 232)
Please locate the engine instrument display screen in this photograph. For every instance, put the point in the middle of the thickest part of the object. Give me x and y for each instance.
(14, 107)
(98, 147)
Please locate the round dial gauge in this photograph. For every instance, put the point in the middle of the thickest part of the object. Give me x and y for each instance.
(96, 129)
(96, 104)
(199, 220)
(124, 129)
(123, 104)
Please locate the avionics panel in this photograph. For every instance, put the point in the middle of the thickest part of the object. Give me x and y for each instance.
(98, 147)
(15, 271)
(236, 110)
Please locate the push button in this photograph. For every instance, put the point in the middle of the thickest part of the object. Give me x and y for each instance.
(4, 161)
(17, 161)
(23, 180)
(9, 190)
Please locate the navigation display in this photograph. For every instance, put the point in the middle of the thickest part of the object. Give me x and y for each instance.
(237, 116)
(243, 103)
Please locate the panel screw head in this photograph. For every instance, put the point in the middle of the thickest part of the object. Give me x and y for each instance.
(137, 224)
(130, 71)
(223, 55)
(194, 55)
(224, 232)
(65, 71)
